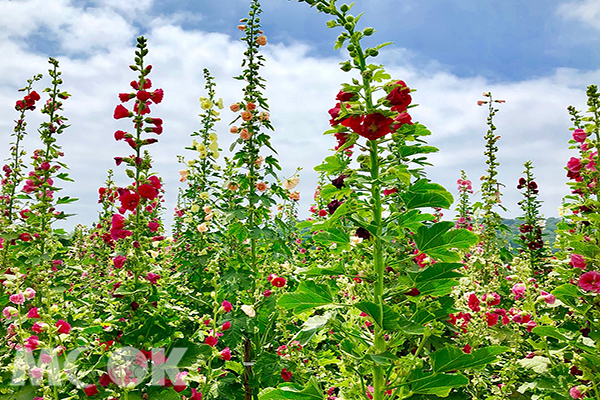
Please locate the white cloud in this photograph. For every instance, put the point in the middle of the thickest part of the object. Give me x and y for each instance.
(587, 11)
(301, 88)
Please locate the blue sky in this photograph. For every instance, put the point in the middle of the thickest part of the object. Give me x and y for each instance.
(538, 55)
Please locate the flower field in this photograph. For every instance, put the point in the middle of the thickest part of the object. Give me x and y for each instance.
(391, 289)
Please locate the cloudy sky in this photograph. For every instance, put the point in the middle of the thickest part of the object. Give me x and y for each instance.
(537, 55)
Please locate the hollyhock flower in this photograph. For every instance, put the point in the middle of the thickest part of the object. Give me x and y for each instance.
(467, 349)
(531, 325)
(226, 306)
(226, 325)
(345, 96)
(180, 384)
(548, 298)
(183, 175)
(248, 310)
(401, 119)
(155, 182)
(261, 40)
(18, 298)
(235, 107)
(245, 134)
(374, 126)
(147, 191)
(129, 200)
(322, 213)
(474, 303)
(121, 112)
(153, 226)
(33, 313)
(387, 192)
(39, 327)
(36, 373)
(211, 341)
(278, 281)
(10, 312)
(492, 299)
(574, 165)
(333, 205)
(399, 97)
(157, 96)
(104, 380)
(46, 358)
(119, 135)
(291, 183)
(125, 97)
(32, 343)
(90, 390)
(491, 318)
(226, 354)
(26, 237)
(267, 293)
(518, 290)
(362, 233)
(261, 186)
(63, 326)
(353, 122)
(590, 281)
(119, 261)
(578, 261)
(152, 277)
(286, 375)
(576, 393)
(142, 95)
(196, 395)
(579, 135)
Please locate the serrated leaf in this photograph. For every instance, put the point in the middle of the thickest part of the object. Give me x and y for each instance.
(331, 164)
(308, 295)
(311, 391)
(451, 358)
(439, 242)
(424, 194)
(436, 384)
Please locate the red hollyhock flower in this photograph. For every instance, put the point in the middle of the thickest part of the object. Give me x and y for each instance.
(157, 96)
(211, 341)
(401, 119)
(226, 354)
(141, 108)
(142, 95)
(34, 96)
(121, 112)
(278, 281)
(104, 380)
(129, 200)
(91, 390)
(147, 191)
(63, 326)
(474, 303)
(153, 226)
(590, 281)
(374, 126)
(125, 97)
(155, 182)
(152, 277)
(196, 395)
(226, 325)
(353, 122)
(119, 261)
(119, 135)
(286, 375)
(491, 318)
(345, 96)
(574, 165)
(399, 97)
(467, 349)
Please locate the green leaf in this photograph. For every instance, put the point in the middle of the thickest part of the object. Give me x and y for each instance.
(388, 320)
(331, 164)
(549, 331)
(438, 279)
(436, 384)
(451, 358)
(385, 358)
(569, 294)
(332, 235)
(311, 326)
(312, 391)
(426, 194)
(417, 149)
(308, 295)
(66, 200)
(438, 242)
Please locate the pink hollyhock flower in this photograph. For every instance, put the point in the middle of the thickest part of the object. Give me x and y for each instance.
(39, 327)
(152, 277)
(46, 358)
(474, 303)
(119, 261)
(548, 298)
(286, 375)
(36, 373)
(63, 326)
(180, 384)
(579, 135)
(153, 226)
(32, 343)
(90, 390)
(196, 395)
(576, 393)
(155, 181)
(226, 354)
(578, 261)
(226, 325)
(18, 298)
(267, 293)
(211, 341)
(590, 281)
(10, 312)
(29, 293)
(467, 349)
(278, 281)
(121, 112)
(531, 325)
(574, 164)
(33, 313)
(518, 290)
(492, 299)
(226, 306)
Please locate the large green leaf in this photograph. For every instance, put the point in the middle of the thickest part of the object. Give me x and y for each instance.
(426, 194)
(440, 243)
(308, 295)
(451, 358)
(569, 294)
(388, 319)
(311, 326)
(436, 384)
(438, 279)
(311, 391)
(331, 164)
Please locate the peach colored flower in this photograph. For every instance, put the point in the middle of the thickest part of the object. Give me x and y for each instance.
(242, 27)
(234, 129)
(263, 116)
(184, 175)
(235, 107)
(295, 196)
(250, 106)
(207, 209)
(261, 186)
(258, 162)
(481, 102)
(291, 183)
(500, 101)
(245, 135)
(202, 227)
(261, 40)
(246, 115)
(233, 186)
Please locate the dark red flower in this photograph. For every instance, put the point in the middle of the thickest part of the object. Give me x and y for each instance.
(157, 96)
(399, 97)
(120, 135)
(155, 182)
(474, 303)
(362, 233)
(129, 200)
(345, 96)
(104, 380)
(286, 375)
(142, 95)
(119, 261)
(147, 191)
(125, 97)
(339, 181)
(91, 390)
(374, 126)
(353, 122)
(121, 112)
(401, 119)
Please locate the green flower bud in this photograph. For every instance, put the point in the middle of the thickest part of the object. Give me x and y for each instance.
(346, 66)
(368, 31)
(344, 8)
